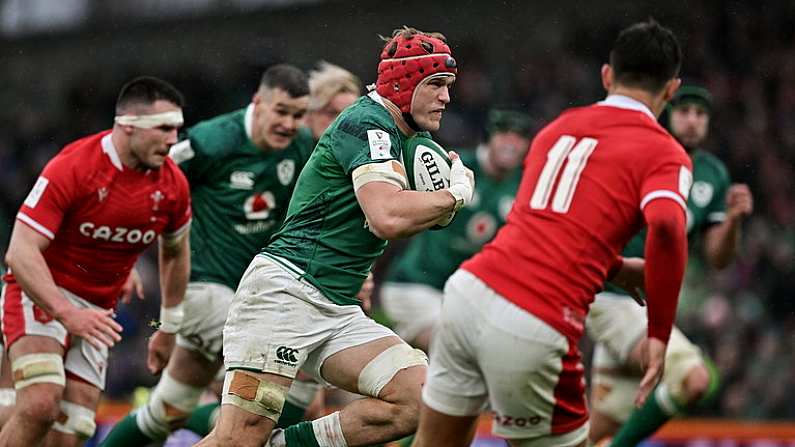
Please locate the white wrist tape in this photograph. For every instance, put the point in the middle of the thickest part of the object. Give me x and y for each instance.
(462, 184)
(460, 194)
(171, 318)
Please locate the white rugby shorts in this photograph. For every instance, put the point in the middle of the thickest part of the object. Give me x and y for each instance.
(279, 324)
(20, 317)
(206, 305)
(412, 307)
(487, 348)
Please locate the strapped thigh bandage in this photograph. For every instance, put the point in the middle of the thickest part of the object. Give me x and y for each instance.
(75, 420)
(38, 368)
(243, 390)
(376, 374)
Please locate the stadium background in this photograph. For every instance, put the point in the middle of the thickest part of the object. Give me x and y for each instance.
(63, 62)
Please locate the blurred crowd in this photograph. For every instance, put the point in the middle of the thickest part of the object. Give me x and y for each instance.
(743, 317)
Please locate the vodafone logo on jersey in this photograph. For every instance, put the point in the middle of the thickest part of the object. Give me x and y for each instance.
(117, 234)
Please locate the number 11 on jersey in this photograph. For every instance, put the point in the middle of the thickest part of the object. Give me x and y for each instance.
(577, 153)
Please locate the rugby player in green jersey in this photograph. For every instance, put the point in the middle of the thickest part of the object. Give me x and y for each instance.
(295, 307)
(331, 90)
(617, 324)
(242, 168)
(412, 293)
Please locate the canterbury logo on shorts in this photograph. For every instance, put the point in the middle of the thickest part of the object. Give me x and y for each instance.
(286, 356)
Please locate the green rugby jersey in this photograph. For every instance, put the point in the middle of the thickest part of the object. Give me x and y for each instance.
(239, 192)
(325, 233)
(432, 256)
(705, 207)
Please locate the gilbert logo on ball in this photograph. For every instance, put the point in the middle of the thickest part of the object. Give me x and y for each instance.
(427, 165)
(427, 168)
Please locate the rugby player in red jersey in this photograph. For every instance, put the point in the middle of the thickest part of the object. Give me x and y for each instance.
(93, 210)
(512, 315)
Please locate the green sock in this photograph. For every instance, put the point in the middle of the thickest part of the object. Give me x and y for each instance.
(126, 434)
(644, 421)
(300, 435)
(291, 415)
(202, 420)
(406, 442)
(714, 382)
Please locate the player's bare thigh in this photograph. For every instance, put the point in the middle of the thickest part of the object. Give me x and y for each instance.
(343, 368)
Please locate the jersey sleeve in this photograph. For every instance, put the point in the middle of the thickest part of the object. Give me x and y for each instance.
(669, 176)
(179, 220)
(358, 144)
(191, 158)
(50, 198)
(716, 209)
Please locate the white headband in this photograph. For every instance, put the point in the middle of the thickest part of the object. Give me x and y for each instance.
(150, 121)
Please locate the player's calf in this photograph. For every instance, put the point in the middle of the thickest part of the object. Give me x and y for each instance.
(405, 394)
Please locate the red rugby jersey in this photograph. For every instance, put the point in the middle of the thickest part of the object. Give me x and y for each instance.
(100, 215)
(587, 177)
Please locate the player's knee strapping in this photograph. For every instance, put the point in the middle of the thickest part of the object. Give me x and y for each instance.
(171, 403)
(30, 369)
(75, 420)
(244, 390)
(380, 371)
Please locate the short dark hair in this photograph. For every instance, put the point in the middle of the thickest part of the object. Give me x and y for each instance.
(287, 77)
(646, 55)
(147, 90)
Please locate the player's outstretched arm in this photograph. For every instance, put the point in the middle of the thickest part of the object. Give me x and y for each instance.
(666, 257)
(721, 241)
(393, 212)
(174, 260)
(24, 257)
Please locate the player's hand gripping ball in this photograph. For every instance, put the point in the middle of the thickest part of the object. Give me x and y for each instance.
(427, 169)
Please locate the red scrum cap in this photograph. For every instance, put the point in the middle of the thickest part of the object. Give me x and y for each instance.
(406, 61)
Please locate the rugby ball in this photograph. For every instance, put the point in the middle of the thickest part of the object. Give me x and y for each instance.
(427, 168)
